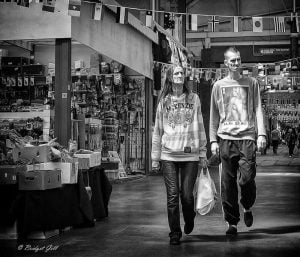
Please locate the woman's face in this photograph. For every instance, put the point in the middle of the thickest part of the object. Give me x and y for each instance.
(178, 75)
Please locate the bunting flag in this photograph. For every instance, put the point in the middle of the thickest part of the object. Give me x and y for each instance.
(24, 3)
(193, 22)
(98, 12)
(257, 24)
(295, 25)
(74, 8)
(279, 24)
(149, 19)
(169, 20)
(48, 5)
(122, 15)
(213, 22)
(235, 24)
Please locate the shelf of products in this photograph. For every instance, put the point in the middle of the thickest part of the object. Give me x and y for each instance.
(118, 101)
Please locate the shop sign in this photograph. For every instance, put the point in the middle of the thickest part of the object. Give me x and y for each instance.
(261, 50)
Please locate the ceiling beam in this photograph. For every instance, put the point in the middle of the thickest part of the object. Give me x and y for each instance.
(21, 43)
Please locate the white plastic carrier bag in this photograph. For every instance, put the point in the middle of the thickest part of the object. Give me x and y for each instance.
(206, 193)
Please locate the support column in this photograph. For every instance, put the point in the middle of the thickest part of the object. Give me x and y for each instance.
(148, 124)
(62, 119)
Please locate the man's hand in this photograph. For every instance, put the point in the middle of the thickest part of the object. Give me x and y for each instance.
(261, 143)
(155, 165)
(203, 162)
(214, 148)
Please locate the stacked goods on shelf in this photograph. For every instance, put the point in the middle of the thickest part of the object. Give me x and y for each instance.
(110, 132)
(93, 131)
(35, 122)
(22, 83)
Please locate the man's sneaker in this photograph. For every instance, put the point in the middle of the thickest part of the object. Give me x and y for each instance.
(232, 230)
(248, 218)
(188, 227)
(174, 240)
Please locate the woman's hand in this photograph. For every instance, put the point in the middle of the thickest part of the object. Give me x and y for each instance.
(203, 162)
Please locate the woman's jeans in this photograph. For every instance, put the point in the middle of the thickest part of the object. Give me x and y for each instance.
(188, 174)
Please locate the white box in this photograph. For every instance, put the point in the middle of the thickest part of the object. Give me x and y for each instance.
(69, 171)
(87, 161)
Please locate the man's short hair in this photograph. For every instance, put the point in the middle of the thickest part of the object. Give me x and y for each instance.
(230, 49)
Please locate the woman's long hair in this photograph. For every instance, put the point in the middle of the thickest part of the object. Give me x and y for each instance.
(167, 87)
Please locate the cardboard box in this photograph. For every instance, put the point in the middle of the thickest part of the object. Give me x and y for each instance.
(39, 179)
(69, 171)
(9, 173)
(32, 154)
(87, 161)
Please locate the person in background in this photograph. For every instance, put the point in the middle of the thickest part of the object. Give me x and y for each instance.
(234, 139)
(179, 144)
(291, 139)
(275, 137)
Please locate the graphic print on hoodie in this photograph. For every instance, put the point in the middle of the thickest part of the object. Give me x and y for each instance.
(235, 100)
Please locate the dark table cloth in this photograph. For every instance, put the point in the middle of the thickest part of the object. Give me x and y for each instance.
(101, 190)
(48, 209)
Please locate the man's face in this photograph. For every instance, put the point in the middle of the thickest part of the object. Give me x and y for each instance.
(233, 61)
(178, 76)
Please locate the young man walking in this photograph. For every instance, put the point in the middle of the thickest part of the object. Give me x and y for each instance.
(236, 132)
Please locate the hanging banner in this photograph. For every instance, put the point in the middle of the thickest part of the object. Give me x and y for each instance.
(274, 50)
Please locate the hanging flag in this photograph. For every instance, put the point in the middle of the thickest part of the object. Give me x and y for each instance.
(48, 5)
(288, 65)
(214, 21)
(257, 24)
(295, 25)
(24, 3)
(279, 25)
(169, 22)
(149, 19)
(235, 24)
(193, 22)
(122, 15)
(74, 8)
(98, 12)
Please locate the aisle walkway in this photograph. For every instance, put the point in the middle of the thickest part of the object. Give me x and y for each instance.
(137, 224)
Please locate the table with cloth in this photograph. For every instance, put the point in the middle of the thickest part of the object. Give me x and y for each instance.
(56, 208)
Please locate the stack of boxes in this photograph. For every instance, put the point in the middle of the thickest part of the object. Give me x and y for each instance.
(41, 173)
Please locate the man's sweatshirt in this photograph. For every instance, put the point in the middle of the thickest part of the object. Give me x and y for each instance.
(179, 133)
(236, 112)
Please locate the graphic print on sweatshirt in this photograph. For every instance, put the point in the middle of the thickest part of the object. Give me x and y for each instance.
(235, 101)
(180, 114)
